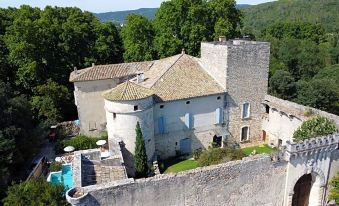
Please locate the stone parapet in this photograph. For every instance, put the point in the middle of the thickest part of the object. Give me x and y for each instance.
(311, 146)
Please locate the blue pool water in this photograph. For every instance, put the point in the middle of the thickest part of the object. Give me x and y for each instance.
(64, 177)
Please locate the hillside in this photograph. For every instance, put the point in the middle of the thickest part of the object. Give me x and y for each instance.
(119, 16)
(324, 12)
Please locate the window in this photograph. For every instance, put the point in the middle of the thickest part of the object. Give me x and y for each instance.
(92, 126)
(188, 120)
(161, 122)
(246, 110)
(218, 97)
(188, 102)
(161, 106)
(114, 115)
(267, 109)
(217, 141)
(219, 116)
(135, 107)
(245, 133)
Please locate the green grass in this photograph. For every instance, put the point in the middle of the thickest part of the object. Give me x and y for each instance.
(259, 149)
(180, 166)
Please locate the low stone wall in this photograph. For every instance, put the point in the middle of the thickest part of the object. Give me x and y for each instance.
(251, 181)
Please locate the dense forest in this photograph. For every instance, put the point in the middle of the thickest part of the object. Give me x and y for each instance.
(324, 12)
(39, 49)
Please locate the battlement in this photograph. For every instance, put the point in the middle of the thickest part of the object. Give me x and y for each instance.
(311, 146)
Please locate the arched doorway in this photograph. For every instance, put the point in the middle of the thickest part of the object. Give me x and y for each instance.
(302, 191)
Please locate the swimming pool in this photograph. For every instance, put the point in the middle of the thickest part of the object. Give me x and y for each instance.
(64, 177)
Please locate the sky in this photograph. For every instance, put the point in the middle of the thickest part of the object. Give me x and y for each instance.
(101, 5)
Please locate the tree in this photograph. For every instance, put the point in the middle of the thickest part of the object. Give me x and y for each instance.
(138, 36)
(317, 126)
(16, 128)
(334, 192)
(319, 93)
(185, 23)
(49, 100)
(282, 85)
(140, 156)
(35, 192)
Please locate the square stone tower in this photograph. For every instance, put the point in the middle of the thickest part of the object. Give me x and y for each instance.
(241, 68)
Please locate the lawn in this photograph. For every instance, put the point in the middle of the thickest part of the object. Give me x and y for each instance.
(174, 166)
(259, 149)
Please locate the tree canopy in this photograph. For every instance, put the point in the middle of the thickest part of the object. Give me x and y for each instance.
(35, 193)
(38, 50)
(317, 126)
(138, 35)
(183, 24)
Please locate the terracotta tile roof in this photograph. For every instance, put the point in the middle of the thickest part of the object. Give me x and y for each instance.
(184, 79)
(127, 91)
(109, 71)
(173, 78)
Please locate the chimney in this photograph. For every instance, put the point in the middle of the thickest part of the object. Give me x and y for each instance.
(75, 70)
(182, 51)
(222, 39)
(93, 64)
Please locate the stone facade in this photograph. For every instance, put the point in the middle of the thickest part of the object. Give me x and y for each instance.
(241, 67)
(90, 104)
(252, 181)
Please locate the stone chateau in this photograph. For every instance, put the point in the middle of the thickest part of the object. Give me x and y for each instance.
(185, 103)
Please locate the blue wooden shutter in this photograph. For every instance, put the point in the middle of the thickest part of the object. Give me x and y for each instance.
(161, 125)
(218, 116)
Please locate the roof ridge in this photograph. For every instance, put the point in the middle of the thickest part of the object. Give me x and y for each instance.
(124, 90)
(180, 55)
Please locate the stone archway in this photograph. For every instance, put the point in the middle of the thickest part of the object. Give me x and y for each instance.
(302, 191)
(308, 189)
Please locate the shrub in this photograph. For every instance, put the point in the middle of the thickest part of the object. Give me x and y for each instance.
(35, 192)
(334, 192)
(197, 153)
(314, 127)
(80, 142)
(55, 166)
(218, 155)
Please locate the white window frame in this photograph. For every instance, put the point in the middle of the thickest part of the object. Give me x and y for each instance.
(248, 133)
(242, 110)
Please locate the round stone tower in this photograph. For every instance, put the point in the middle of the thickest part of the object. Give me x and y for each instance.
(125, 105)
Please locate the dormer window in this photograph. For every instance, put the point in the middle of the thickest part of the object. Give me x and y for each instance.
(140, 77)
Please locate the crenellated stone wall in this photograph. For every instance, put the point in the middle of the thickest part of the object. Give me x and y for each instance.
(315, 156)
